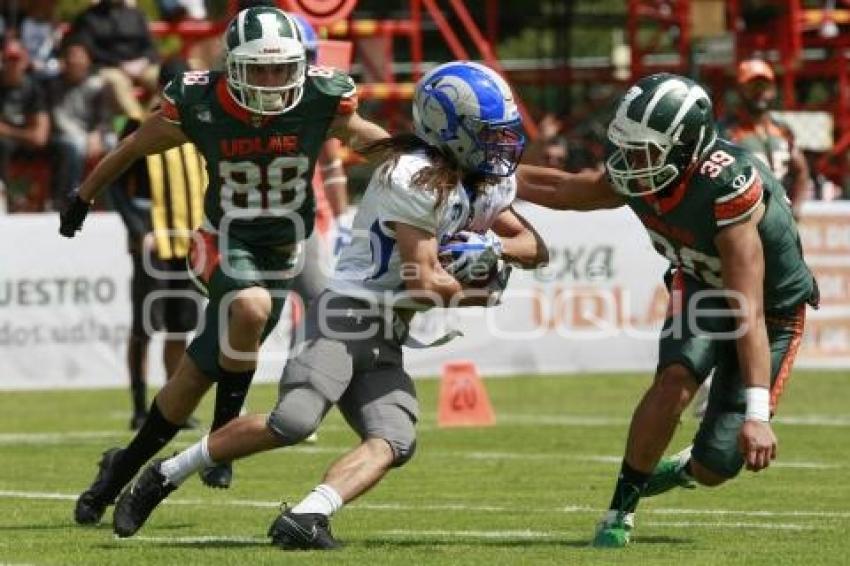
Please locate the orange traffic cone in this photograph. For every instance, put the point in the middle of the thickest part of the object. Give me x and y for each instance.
(463, 398)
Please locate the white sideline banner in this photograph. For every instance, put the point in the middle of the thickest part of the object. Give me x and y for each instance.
(65, 304)
(600, 304)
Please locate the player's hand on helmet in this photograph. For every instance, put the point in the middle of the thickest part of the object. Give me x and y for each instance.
(71, 219)
(757, 444)
(470, 257)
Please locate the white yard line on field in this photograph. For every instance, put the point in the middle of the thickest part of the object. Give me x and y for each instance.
(459, 506)
(210, 539)
(736, 525)
(49, 438)
(523, 534)
(56, 437)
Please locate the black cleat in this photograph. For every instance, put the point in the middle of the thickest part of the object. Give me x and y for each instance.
(139, 500)
(302, 531)
(218, 476)
(92, 503)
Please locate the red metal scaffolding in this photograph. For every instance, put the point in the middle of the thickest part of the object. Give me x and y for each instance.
(652, 28)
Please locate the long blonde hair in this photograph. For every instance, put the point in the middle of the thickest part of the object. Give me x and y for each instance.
(441, 177)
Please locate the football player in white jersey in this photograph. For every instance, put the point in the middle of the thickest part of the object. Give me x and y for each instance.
(447, 187)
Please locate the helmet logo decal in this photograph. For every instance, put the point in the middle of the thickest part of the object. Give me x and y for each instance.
(467, 111)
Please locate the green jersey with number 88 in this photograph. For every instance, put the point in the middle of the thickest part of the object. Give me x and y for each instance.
(259, 166)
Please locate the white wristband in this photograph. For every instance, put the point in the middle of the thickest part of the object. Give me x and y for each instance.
(758, 404)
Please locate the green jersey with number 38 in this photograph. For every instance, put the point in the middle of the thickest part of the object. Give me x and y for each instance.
(259, 167)
(723, 188)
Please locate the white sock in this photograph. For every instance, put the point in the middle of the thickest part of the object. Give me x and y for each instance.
(323, 500)
(179, 467)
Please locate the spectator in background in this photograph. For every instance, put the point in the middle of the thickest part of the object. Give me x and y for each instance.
(24, 123)
(176, 10)
(160, 199)
(770, 140)
(40, 36)
(544, 150)
(79, 119)
(553, 149)
(122, 50)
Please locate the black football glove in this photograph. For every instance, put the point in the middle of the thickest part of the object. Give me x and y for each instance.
(71, 219)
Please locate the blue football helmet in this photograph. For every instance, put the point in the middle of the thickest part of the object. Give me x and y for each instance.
(309, 37)
(467, 111)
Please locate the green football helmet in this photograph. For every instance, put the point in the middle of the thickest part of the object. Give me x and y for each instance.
(663, 124)
(265, 60)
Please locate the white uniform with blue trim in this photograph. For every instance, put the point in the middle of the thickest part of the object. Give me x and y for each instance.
(370, 266)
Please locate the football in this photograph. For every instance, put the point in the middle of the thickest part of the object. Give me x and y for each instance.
(452, 250)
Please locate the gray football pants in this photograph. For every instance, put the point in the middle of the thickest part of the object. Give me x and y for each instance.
(351, 358)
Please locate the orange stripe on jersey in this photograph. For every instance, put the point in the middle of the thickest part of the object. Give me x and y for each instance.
(169, 110)
(347, 105)
(797, 324)
(739, 205)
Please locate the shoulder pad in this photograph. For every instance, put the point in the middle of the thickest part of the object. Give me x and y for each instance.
(723, 164)
(187, 88)
(735, 181)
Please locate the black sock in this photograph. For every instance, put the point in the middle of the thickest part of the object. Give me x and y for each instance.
(155, 433)
(138, 392)
(630, 484)
(230, 393)
(138, 387)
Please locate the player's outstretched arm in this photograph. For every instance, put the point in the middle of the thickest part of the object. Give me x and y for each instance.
(357, 132)
(156, 134)
(742, 260)
(552, 188)
(334, 177)
(521, 244)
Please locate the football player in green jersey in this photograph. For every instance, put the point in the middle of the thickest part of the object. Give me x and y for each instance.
(738, 285)
(260, 126)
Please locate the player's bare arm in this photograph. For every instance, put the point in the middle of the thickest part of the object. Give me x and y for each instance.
(742, 259)
(155, 135)
(334, 177)
(552, 188)
(422, 273)
(521, 244)
(356, 131)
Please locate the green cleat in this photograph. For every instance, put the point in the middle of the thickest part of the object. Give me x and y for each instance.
(670, 473)
(614, 530)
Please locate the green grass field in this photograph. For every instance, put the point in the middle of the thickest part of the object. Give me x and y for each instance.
(527, 491)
